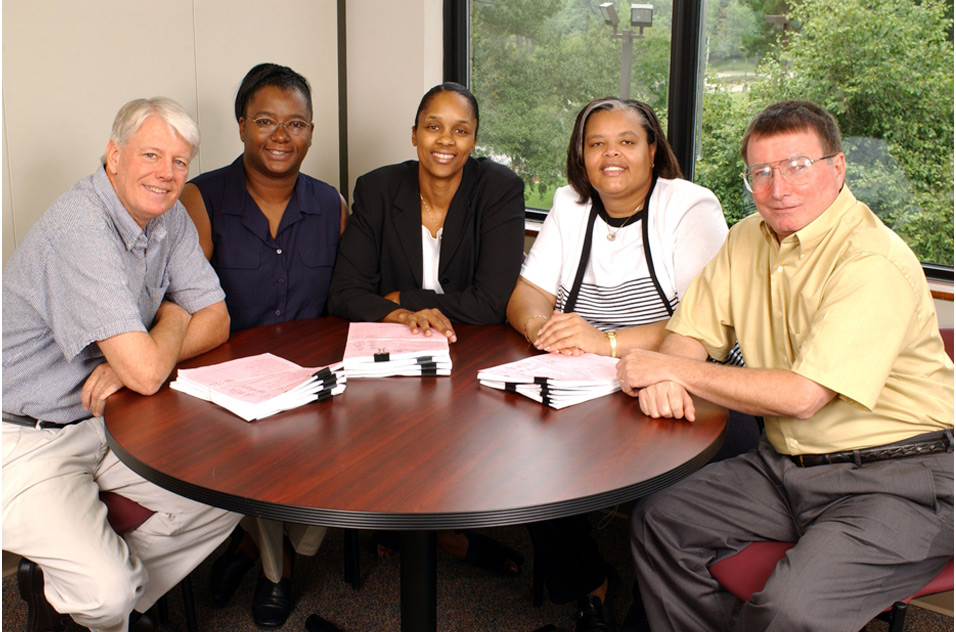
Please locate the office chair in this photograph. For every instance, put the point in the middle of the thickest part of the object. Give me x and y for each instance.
(125, 515)
(747, 571)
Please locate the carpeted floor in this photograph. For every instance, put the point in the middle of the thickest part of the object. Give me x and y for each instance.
(469, 599)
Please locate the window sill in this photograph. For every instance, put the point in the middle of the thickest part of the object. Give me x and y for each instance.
(941, 290)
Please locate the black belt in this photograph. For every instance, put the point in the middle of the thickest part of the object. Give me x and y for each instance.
(920, 446)
(31, 422)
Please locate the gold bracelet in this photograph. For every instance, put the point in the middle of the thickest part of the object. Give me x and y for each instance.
(528, 320)
(612, 338)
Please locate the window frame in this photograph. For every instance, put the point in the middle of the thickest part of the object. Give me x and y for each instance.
(683, 108)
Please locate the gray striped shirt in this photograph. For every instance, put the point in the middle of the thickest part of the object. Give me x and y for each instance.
(85, 272)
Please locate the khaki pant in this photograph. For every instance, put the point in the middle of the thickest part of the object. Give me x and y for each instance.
(305, 540)
(52, 515)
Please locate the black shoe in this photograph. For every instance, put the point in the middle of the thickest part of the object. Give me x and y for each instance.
(590, 616)
(142, 622)
(272, 603)
(227, 572)
(490, 554)
(41, 617)
(384, 543)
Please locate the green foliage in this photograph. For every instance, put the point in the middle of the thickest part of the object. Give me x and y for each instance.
(724, 118)
(884, 70)
(536, 64)
(734, 29)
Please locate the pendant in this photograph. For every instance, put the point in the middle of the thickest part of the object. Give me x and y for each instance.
(611, 237)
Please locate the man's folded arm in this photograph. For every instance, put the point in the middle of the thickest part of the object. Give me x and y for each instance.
(774, 392)
(682, 363)
(208, 328)
(143, 361)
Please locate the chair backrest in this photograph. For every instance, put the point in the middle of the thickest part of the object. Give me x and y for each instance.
(947, 334)
(746, 572)
(124, 514)
(941, 583)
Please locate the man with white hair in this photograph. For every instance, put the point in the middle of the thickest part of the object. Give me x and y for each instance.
(109, 289)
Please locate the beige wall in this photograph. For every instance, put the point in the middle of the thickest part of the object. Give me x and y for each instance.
(69, 66)
(394, 57)
(944, 312)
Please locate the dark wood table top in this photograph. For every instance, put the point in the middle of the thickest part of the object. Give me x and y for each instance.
(406, 452)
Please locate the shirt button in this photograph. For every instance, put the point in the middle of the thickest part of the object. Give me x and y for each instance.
(779, 268)
(278, 251)
(281, 281)
(278, 312)
(793, 443)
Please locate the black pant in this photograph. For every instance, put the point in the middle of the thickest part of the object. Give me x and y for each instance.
(569, 558)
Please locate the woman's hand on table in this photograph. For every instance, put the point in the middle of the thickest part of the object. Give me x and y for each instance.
(424, 321)
(570, 334)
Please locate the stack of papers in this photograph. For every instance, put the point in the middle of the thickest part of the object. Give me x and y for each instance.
(387, 349)
(556, 380)
(259, 386)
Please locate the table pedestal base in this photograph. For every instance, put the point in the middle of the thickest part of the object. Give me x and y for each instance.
(418, 576)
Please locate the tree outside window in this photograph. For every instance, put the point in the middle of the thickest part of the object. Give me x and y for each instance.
(883, 68)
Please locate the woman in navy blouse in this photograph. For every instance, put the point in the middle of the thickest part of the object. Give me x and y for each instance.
(271, 233)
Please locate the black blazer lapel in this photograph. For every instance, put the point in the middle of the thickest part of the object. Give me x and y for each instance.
(407, 222)
(459, 217)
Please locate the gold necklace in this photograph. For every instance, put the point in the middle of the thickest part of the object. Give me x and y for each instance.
(612, 236)
(428, 209)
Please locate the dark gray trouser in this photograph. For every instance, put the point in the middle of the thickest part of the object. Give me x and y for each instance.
(866, 536)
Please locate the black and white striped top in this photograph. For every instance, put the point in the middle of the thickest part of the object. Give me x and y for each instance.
(628, 304)
(686, 230)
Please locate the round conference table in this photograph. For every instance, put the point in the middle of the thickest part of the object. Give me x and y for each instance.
(415, 454)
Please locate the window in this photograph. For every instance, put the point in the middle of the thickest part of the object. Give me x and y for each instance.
(536, 63)
(884, 70)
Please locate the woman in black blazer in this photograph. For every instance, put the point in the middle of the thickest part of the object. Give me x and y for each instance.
(467, 214)
(435, 241)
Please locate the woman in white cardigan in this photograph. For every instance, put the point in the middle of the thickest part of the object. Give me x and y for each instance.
(619, 247)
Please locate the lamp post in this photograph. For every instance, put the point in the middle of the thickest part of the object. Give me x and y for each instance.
(641, 16)
(784, 24)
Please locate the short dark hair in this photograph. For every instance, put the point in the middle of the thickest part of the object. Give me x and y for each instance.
(794, 115)
(448, 86)
(270, 75)
(665, 162)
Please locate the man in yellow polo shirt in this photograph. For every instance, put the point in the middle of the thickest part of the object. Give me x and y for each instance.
(846, 365)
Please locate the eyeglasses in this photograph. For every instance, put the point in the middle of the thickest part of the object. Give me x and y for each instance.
(294, 127)
(795, 170)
